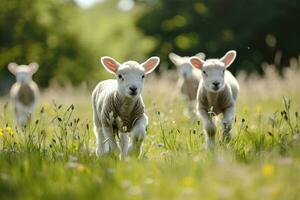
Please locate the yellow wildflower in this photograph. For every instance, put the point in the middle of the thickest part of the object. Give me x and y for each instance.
(258, 109)
(246, 109)
(188, 181)
(9, 130)
(81, 168)
(1, 132)
(267, 169)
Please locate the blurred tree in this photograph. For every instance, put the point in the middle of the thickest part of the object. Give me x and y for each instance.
(67, 41)
(257, 29)
(108, 30)
(39, 31)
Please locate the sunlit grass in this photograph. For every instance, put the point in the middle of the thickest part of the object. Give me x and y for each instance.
(53, 157)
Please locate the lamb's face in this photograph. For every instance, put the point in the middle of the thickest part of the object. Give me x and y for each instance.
(130, 77)
(23, 73)
(213, 72)
(185, 70)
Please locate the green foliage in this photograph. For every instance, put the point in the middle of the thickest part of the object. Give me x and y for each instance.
(110, 31)
(40, 31)
(256, 29)
(65, 40)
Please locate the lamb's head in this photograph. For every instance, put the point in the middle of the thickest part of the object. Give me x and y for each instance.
(130, 75)
(183, 65)
(213, 70)
(23, 73)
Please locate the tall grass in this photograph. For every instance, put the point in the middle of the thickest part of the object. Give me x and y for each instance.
(53, 157)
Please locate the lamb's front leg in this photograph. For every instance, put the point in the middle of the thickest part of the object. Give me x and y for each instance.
(22, 119)
(209, 128)
(227, 120)
(138, 134)
(123, 144)
(109, 137)
(101, 145)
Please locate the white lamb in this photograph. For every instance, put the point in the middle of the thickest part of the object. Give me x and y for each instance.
(118, 107)
(189, 79)
(217, 94)
(24, 93)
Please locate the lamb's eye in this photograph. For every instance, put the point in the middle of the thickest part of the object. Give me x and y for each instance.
(143, 76)
(204, 72)
(120, 76)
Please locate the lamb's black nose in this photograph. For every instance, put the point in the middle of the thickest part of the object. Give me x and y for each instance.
(133, 89)
(216, 84)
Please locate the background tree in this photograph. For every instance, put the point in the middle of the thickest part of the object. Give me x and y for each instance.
(66, 40)
(258, 30)
(39, 31)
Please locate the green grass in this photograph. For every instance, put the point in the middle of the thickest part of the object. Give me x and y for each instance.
(54, 158)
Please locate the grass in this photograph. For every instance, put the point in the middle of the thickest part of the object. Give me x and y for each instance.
(53, 157)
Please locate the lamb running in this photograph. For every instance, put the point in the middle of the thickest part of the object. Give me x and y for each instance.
(24, 93)
(217, 94)
(188, 81)
(118, 107)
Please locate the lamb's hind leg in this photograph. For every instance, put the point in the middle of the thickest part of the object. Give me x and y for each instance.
(227, 120)
(209, 129)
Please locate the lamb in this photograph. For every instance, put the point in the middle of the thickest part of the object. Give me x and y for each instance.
(118, 108)
(24, 93)
(217, 94)
(188, 81)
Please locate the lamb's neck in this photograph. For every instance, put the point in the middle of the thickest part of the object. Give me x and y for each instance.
(188, 81)
(212, 99)
(23, 83)
(126, 103)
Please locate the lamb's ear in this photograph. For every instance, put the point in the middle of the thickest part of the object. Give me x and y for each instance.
(151, 64)
(12, 67)
(201, 55)
(228, 58)
(176, 59)
(33, 67)
(197, 62)
(110, 64)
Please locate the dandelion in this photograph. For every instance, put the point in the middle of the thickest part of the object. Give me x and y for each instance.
(10, 131)
(267, 169)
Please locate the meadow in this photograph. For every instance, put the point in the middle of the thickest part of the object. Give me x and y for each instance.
(53, 157)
